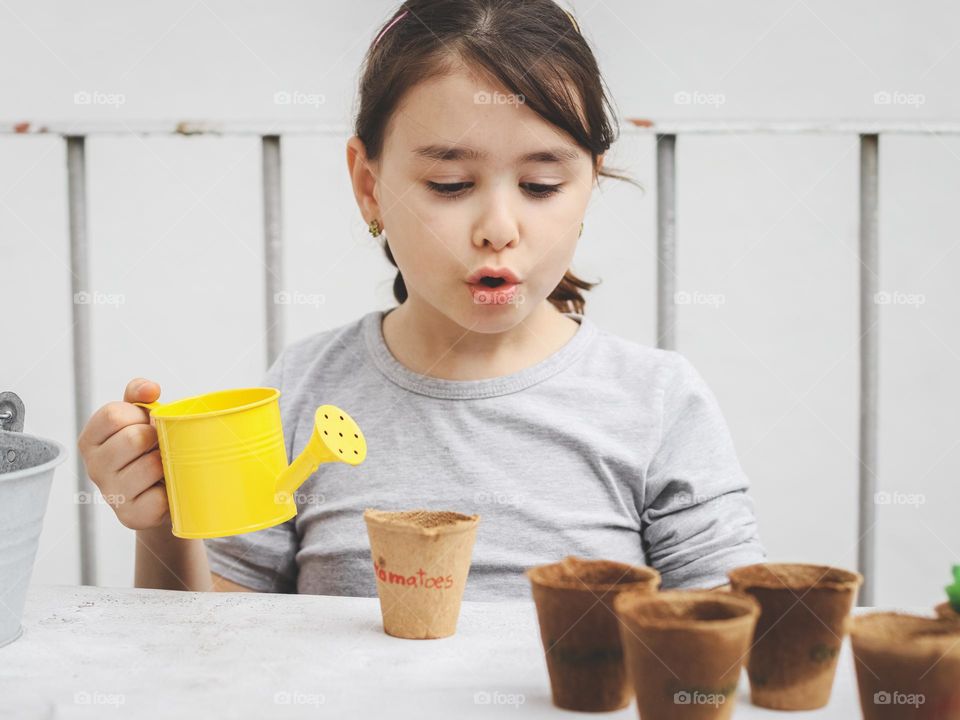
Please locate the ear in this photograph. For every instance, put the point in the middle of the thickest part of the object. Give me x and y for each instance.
(363, 177)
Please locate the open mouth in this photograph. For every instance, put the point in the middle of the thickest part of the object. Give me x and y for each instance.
(493, 277)
(495, 290)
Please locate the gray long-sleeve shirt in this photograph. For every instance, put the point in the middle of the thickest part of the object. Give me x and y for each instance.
(605, 449)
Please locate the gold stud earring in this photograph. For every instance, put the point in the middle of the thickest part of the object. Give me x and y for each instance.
(374, 228)
(581, 230)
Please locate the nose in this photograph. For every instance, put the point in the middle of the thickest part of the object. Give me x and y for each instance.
(497, 225)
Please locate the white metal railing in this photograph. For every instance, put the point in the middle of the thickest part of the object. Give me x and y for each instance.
(666, 134)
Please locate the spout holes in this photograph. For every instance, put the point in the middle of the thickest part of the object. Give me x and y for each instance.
(341, 417)
(355, 435)
(326, 417)
(340, 434)
(340, 451)
(355, 452)
(324, 432)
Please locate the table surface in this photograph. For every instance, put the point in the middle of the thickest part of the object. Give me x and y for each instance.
(92, 652)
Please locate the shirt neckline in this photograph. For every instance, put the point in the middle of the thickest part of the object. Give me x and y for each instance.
(400, 374)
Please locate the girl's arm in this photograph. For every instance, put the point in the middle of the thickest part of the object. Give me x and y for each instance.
(167, 562)
(221, 584)
(698, 518)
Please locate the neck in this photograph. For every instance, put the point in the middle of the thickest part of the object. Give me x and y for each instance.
(429, 343)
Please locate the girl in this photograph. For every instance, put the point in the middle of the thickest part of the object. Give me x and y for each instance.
(481, 130)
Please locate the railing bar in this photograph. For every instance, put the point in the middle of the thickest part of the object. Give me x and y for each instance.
(80, 283)
(869, 351)
(786, 127)
(273, 244)
(630, 126)
(666, 242)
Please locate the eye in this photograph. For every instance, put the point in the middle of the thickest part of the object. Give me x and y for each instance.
(539, 190)
(449, 190)
(453, 190)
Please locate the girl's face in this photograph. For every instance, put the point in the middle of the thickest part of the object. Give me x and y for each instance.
(471, 182)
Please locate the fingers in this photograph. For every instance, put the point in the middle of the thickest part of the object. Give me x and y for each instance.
(147, 510)
(123, 447)
(140, 475)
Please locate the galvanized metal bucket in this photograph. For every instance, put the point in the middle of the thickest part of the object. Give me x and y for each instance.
(26, 471)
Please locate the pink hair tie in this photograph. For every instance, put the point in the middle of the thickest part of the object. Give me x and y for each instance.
(383, 32)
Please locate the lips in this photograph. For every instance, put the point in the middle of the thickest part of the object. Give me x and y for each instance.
(491, 277)
(495, 287)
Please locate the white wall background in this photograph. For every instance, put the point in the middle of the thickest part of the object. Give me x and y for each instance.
(767, 222)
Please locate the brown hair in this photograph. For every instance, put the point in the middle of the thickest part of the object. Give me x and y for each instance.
(532, 47)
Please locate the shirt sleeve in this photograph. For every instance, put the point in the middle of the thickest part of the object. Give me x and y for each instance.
(698, 520)
(263, 560)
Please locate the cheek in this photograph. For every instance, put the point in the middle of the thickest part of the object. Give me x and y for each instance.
(442, 227)
(423, 242)
(560, 230)
(557, 252)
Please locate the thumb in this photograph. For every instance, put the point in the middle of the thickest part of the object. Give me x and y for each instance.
(141, 390)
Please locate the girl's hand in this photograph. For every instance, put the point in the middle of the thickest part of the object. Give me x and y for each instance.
(119, 450)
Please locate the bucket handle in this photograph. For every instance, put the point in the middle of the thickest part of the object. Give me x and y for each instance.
(12, 412)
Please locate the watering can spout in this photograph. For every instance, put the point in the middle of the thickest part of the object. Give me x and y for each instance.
(336, 437)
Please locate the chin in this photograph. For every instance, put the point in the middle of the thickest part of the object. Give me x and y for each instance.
(494, 318)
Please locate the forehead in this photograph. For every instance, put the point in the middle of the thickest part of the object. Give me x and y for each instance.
(479, 119)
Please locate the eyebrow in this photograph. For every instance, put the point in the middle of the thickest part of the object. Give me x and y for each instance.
(453, 153)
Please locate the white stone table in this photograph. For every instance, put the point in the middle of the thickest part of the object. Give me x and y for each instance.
(93, 652)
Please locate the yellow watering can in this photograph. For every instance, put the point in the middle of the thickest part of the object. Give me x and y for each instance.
(225, 461)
